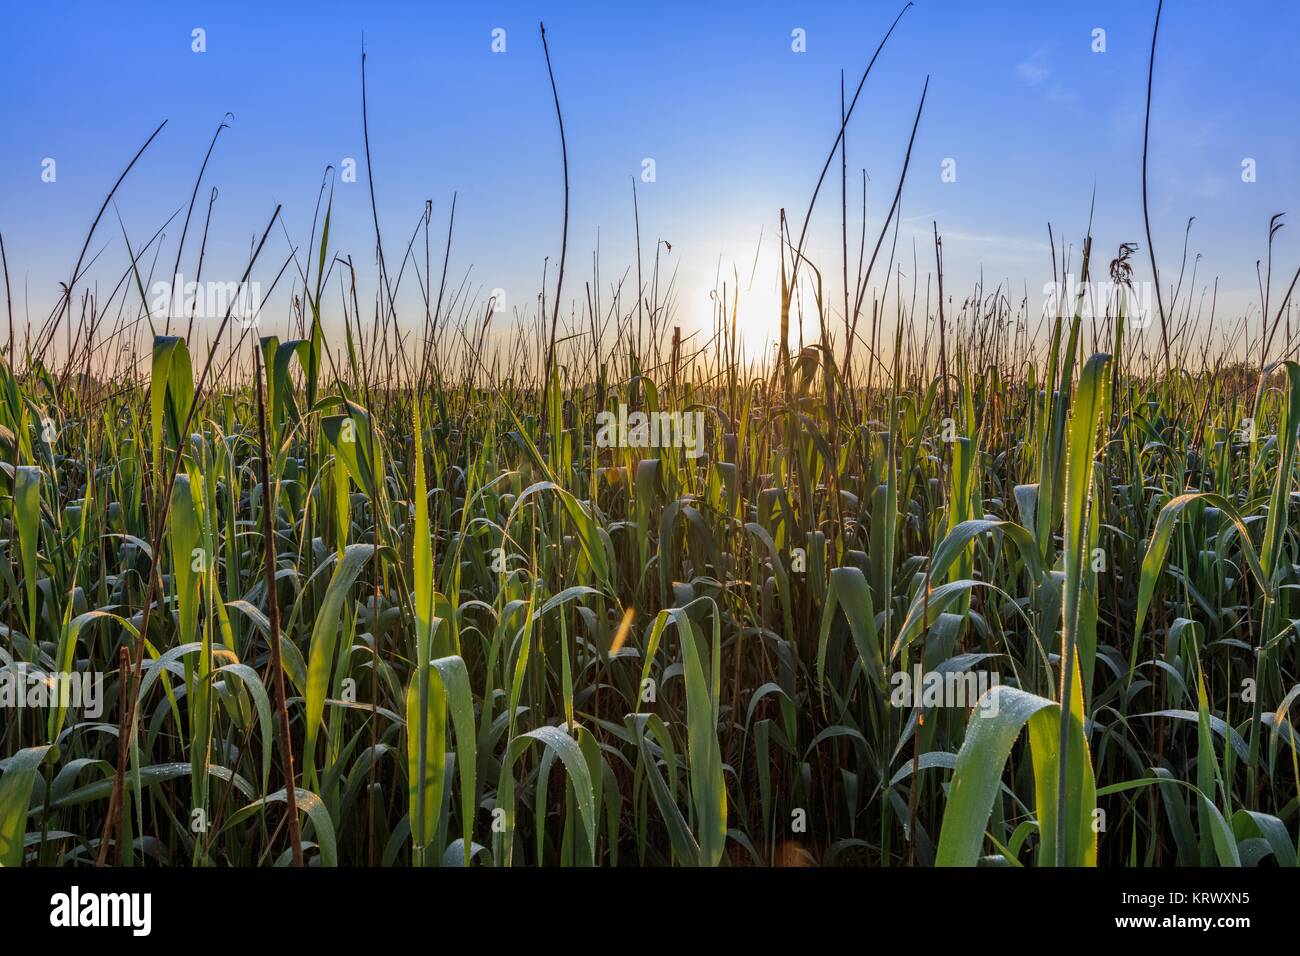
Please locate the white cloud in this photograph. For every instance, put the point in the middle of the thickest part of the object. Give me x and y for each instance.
(1033, 73)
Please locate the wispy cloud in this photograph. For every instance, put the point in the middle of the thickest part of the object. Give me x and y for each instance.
(1036, 71)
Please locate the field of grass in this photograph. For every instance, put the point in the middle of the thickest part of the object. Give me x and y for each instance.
(502, 643)
(388, 596)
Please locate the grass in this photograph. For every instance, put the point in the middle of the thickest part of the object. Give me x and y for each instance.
(449, 595)
(385, 600)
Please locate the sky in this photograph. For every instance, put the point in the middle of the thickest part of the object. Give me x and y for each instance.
(1031, 118)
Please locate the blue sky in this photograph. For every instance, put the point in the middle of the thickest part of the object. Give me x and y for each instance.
(737, 123)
